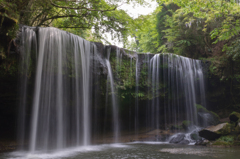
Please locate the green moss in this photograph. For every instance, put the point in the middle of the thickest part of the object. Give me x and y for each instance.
(215, 115)
(236, 114)
(228, 138)
(227, 129)
(195, 136)
(200, 108)
(221, 143)
(186, 124)
(237, 129)
(176, 127)
(225, 140)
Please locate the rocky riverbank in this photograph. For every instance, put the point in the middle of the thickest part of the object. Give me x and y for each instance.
(225, 134)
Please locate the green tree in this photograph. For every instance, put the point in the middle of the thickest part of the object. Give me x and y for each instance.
(99, 15)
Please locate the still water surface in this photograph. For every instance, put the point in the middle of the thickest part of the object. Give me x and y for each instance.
(146, 150)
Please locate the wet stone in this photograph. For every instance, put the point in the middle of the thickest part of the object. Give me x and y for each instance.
(178, 138)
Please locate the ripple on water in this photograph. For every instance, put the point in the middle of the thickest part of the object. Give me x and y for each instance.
(195, 151)
(133, 150)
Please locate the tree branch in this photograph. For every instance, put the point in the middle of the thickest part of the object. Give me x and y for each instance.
(87, 27)
(81, 7)
(57, 17)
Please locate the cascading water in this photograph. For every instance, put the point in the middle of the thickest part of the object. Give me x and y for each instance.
(136, 97)
(29, 43)
(114, 101)
(55, 124)
(70, 104)
(172, 78)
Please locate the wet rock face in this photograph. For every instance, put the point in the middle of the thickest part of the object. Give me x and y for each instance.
(213, 132)
(184, 142)
(178, 139)
(207, 119)
(202, 142)
(195, 136)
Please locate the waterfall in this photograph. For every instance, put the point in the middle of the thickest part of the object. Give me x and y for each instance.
(136, 98)
(29, 43)
(173, 77)
(71, 92)
(60, 55)
(113, 97)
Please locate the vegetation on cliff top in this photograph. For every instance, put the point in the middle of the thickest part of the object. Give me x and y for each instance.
(204, 29)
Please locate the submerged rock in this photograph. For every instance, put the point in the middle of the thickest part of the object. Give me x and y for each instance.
(177, 138)
(213, 132)
(234, 116)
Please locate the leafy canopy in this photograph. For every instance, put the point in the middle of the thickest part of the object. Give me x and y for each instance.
(98, 16)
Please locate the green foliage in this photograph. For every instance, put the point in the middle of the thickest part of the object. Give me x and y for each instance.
(8, 9)
(233, 50)
(185, 35)
(228, 138)
(225, 140)
(227, 129)
(93, 16)
(146, 36)
(150, 38)
(9, 66)
(161, 17)
(219, 20)
(124, 75)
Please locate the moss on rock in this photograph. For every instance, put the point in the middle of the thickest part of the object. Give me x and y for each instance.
(227, 129)
(186, 124)
(237, 129)
(206, 117)
(234, 116)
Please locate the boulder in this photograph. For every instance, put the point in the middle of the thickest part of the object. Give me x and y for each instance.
(214, 132)
(184, 142)
(177, 138)
(234, 116)
(195, 136)
(206, 117)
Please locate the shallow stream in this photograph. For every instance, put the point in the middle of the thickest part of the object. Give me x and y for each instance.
(140, 150)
